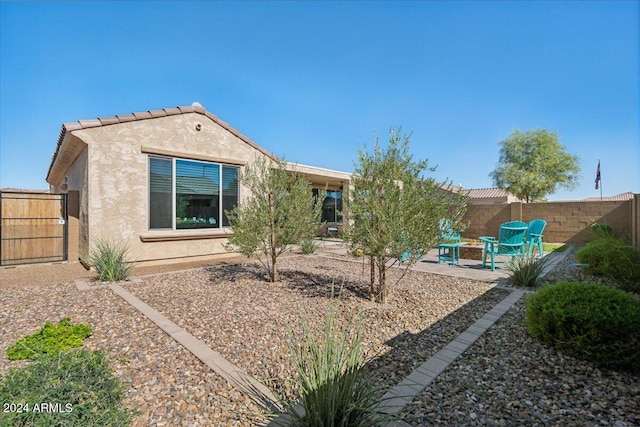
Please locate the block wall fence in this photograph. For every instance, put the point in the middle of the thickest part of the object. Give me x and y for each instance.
(567, 222)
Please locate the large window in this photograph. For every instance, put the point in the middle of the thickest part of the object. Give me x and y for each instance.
(185, 194)
(332, 206)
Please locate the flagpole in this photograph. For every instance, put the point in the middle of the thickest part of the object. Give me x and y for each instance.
(600, 180)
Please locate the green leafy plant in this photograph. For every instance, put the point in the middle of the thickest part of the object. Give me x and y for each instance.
(526, 270)
(109, 259)
(601, 230)
(50, 339)
(589, 321)
(612, 257)
(78, 388)
(335, 388)
(280, 212)
(309, 246)
(534, 164)
(395, 209)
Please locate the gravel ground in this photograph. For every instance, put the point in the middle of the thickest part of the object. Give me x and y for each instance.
(248, 320)
(168, 385)
(507, 378)
(504, 379)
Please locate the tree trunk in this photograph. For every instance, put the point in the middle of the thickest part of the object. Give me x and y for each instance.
(372, 292)
(382, 278)
(272, 239)
(274, 269)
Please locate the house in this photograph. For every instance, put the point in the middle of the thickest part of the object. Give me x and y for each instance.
(161, 182)
(484, 196)
(491, 196)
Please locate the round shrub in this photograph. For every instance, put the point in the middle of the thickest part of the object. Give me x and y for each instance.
(589, 321)
(601, 230)
(611, 257)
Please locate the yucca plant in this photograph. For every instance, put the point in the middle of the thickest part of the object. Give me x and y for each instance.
(526, 270)
(309, 246)
(335, 388)
(109, 259)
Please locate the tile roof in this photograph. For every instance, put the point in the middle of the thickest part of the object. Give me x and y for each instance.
(618, 197)
(184, 184)
(487, 193)
(151, 114)
(195, 185)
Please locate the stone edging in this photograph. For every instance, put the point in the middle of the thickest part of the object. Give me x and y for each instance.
(88, 284)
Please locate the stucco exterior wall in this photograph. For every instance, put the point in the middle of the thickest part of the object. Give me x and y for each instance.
(116, 182)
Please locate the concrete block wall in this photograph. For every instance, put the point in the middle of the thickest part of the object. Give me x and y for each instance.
(567, 222)
(485, 220)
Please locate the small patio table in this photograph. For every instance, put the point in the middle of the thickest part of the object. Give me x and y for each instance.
(449, 252)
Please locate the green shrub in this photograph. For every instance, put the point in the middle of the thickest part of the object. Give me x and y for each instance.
(589, 321)
(110, 260)
(526, 271)
(50, 339)
(601, 230)
(309, 246)
(612, 257)
(335, 388)
(77, 387)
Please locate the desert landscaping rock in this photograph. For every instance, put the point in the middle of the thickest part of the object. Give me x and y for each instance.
(167, 384)
(505, 378)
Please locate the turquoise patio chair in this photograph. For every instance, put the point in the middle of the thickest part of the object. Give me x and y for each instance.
(447, 233)
(510, 242)
(533, 239)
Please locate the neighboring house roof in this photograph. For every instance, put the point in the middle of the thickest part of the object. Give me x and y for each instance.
(21, 190)
(195, 185)
(618, 197)
(184, 184)
(480, 193)
(487, 193)
(69, 127)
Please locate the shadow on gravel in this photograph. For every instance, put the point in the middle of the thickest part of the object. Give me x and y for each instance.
(409, 350)
(314, 285)
(234, 271)
(311, 285)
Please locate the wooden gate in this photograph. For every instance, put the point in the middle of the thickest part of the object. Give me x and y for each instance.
(33, 228)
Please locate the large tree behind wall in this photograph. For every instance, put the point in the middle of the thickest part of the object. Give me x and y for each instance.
(533, 164)
(279, 212)
(394, 209)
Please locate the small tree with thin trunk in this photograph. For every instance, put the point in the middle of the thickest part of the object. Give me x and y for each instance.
(533, 164)
(280, 211)
(395, 210)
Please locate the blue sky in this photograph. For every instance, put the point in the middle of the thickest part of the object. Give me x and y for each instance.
(314, 80)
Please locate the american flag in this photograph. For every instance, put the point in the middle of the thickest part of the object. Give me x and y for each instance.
(598, 176)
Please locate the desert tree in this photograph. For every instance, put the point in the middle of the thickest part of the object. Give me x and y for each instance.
(533, 164)
(395, 209)
(279, 211)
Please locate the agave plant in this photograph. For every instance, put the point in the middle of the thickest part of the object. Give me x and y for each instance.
(526, 270)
